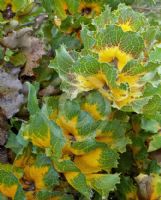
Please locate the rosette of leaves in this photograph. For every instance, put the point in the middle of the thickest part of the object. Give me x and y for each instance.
(115, 61)
(67, 17)
(79, 141)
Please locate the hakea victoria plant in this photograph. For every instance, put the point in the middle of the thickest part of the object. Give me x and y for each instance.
(75, 143)
(115, 60)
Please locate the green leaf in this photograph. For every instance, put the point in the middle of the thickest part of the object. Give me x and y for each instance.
(18, 59)
(153, 105)
(126, 189)
(112, 35)
(58, 6)
(51, 177)
(12, 143)
(78, 181)
(155, 142)
(9, 186)
(72, 6)
(2, 197)
(87, 38)
(150, 125)
(48, 5)
(97, 106)
(32, 105)
(108, 133)
(63, 60)
(44, 194)
(155, 56)
(103, 183)
(38, 131)
(57, 139)
(64, 165)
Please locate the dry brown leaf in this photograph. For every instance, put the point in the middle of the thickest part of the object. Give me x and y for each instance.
(3, 128)
(32, 47)
(10, 97)
(33, 54)
(144, 186)
(3, 155)
(18, 39)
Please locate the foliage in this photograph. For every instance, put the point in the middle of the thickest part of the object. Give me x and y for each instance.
(80, 99)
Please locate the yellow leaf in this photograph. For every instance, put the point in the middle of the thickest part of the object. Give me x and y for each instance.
(89, 163)
(30, 195)
(24, 159)
(87, 8)
(90, 82)
(67, 150)
(92, 109)
(8, 191)
(36, 174)
(70, 176)
(126, 26)
(109, 54)
(68, 126)
(105, 139)
(38, 141)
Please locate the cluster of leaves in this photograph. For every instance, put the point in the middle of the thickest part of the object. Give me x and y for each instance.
(91, 127)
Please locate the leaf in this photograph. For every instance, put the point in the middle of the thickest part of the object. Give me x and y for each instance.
(155, 56)
(3, 128)
(150, 125)
(78, 181)
(9, 186)
(152, 106)
(32, 47)
(38, 131)
(11, 98)
(12, 143)
(74, 121)
(18, 39)
(24, 157)
(149, 185)
(128, 19)
(65, 165)
(127, 189)
(112, 36)
(47, 5)
(18, 59)
(33, 54)
(87, 38)
(2, 197)
(17, 6)
(42, 173)
(103, 183)
(96, 105)
(113, 134)
(33, 106)
(97, 160)
(63, 59)
(72, 6)
(80, 148)
(59, 7)
(41, 195)
(155, 142)
(57, 140)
